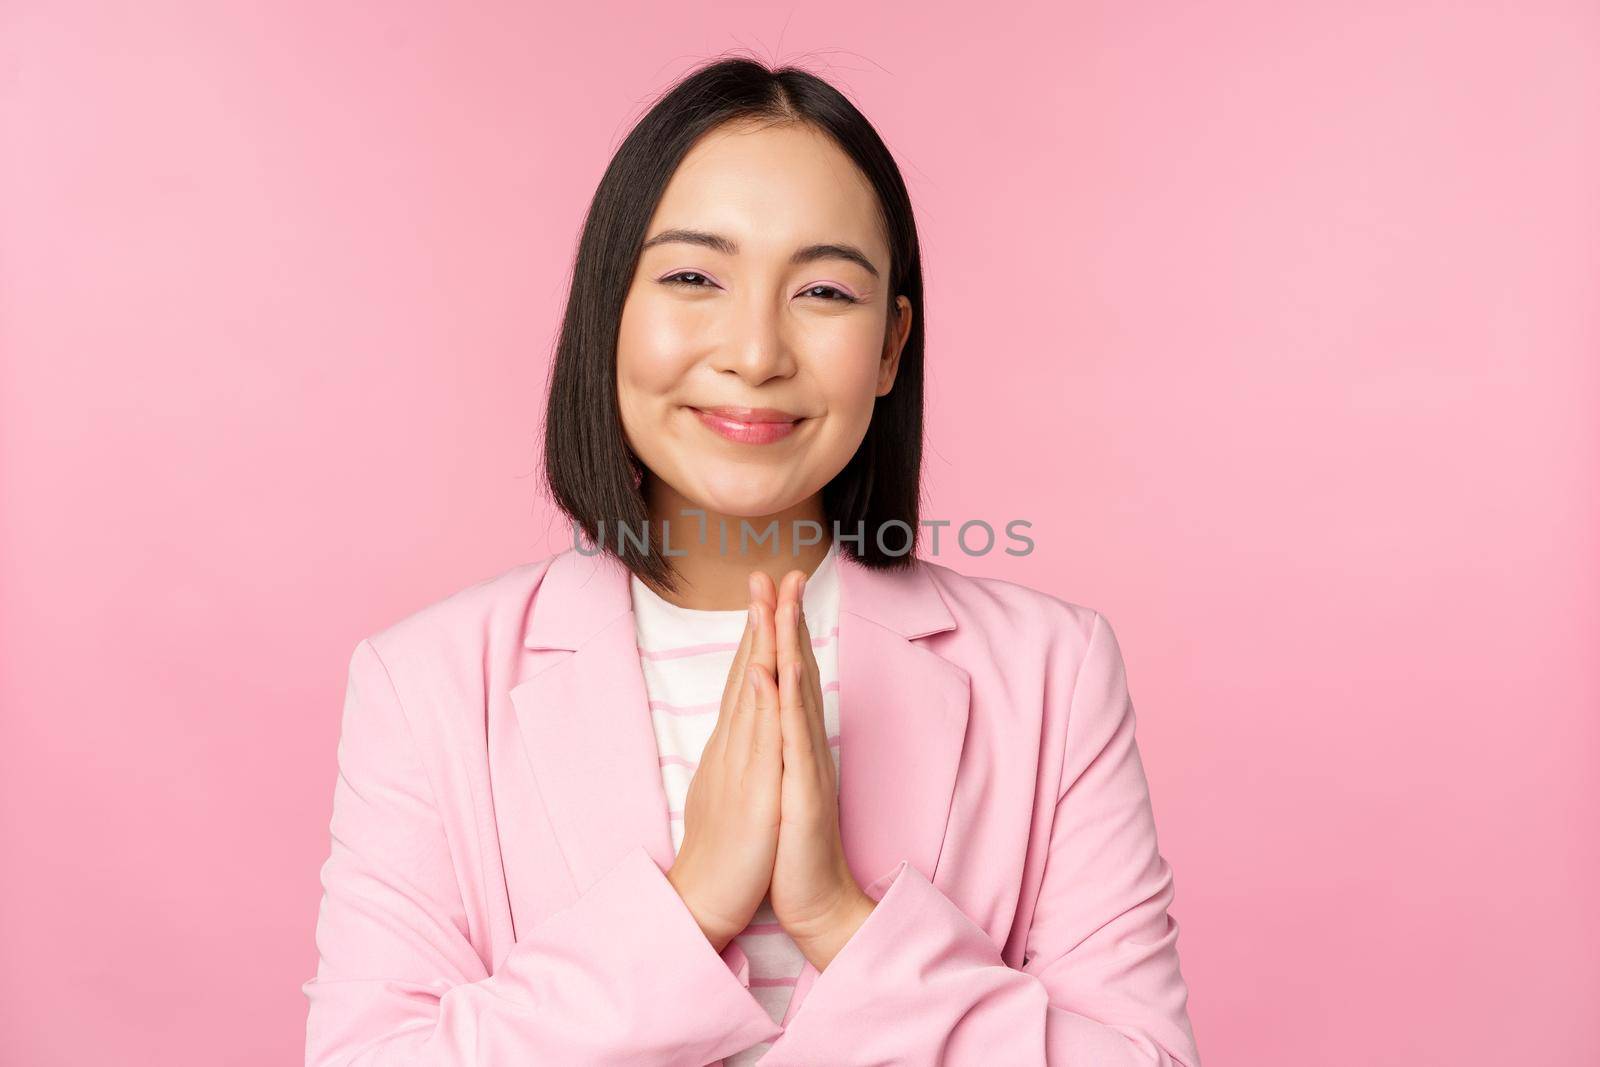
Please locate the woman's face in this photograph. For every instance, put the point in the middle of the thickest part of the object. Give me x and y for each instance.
(749, 295)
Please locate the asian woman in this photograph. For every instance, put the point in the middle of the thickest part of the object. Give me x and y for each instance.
(739, 776)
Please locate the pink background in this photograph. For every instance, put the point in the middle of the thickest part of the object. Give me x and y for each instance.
(1280, 322)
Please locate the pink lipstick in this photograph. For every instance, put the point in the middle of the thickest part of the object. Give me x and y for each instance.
(750, 426)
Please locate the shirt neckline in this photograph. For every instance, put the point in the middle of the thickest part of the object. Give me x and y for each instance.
(817, 582)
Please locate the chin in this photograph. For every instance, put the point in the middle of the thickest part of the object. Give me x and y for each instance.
(734, 497)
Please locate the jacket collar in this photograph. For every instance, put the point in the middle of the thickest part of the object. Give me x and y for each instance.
(586, 727)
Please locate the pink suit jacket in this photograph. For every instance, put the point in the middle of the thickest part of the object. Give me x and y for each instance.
(496, 893)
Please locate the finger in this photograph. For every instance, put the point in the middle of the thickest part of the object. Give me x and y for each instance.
(798, 755)
(764, 648)
(767, 735)
(812, 677)
(741, 729)
(734, 685)
(787, 630)
(741, 656)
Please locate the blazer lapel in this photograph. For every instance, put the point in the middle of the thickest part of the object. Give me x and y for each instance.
(585, 722)
(902, 720)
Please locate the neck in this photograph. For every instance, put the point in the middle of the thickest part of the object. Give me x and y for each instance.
(715, 562)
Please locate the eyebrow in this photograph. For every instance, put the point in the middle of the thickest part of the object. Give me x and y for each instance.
(718, 243)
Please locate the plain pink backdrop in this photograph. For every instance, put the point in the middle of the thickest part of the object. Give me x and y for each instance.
(1280, 322)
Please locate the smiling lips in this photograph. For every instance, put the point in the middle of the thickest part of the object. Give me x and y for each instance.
(750, 426)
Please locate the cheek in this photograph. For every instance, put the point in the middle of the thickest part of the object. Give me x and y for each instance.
(654, 349)
(847, 367)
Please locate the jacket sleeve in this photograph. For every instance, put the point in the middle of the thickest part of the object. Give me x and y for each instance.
(921, 983)
(622, 975)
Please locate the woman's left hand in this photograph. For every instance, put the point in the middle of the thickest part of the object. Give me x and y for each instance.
(815, 897)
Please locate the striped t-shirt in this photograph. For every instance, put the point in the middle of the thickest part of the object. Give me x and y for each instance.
(686, 655)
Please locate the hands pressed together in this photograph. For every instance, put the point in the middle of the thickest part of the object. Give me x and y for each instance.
(762, 812)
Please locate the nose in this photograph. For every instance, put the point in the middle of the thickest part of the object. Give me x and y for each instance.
(756, 347)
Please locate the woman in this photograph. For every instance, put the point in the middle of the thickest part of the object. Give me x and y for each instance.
(688, 797)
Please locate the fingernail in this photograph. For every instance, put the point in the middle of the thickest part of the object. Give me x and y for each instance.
(752, 615)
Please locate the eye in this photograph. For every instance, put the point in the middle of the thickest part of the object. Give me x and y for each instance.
(839, 295)
(682, 278)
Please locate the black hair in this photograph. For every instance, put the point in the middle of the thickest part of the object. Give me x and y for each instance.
(593, 475)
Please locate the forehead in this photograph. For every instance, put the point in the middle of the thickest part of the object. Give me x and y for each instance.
(772, 187)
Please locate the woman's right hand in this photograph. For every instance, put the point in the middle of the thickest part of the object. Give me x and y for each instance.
(730, 820)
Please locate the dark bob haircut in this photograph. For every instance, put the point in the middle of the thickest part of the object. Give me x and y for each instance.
(593, 475)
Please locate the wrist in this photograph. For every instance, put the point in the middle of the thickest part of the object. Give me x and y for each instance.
(714, 932)
(829, 936)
